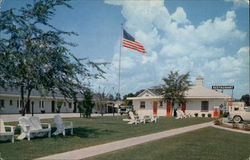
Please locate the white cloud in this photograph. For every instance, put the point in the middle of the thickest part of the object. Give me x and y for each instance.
(239, 3)
(180, 16)
(199, 49)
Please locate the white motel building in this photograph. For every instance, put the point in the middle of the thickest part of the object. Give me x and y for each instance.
(10, 102)
(199, 100)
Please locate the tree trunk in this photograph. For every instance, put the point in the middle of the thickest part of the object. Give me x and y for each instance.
(28, 99)
(22, 101)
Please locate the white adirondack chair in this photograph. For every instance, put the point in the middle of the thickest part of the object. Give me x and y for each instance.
(181, 114)
(134, 119)
(185, 114)
(32, 127)
(61, 127)
(153, 118)
(141, 117)
(6, 134)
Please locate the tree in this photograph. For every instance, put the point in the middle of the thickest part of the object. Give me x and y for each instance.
(117, 96)
(85, 106)
(34, 54)
(246, 99)
(174, 87)
(128, 102)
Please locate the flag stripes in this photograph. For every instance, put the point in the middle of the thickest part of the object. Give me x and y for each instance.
(129, 42)
(134, 45)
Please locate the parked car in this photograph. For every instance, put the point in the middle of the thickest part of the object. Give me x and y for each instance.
(240, 115)
(122, 109)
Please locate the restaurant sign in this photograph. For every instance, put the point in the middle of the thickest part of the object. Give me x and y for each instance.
(222, 87)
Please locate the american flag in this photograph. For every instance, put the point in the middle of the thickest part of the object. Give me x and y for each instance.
(130, 42)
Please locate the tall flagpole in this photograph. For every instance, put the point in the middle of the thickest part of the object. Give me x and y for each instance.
(119, 81)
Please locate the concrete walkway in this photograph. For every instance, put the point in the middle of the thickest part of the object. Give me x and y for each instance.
(14, 117)
(121, 144)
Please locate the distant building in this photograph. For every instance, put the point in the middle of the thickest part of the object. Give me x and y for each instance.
(10, 103)
(200, 100)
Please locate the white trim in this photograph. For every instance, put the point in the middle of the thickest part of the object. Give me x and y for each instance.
(146, 90)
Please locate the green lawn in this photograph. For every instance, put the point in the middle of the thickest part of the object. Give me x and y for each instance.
(204, 144)
(88, 132)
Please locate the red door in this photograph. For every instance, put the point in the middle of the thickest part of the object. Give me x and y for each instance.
(168, 109)
(183, 107)
(155, 108)
(216, 112)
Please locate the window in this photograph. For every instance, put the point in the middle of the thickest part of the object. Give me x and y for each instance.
(204, 106)
(70, 105)
(41, 104)
(142, 105)
(11, 102)
(1, 103)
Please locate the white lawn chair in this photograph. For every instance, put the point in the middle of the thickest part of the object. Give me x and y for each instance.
(61, 127)
(153, 118)
(141, 117)
(185, 115)
(180, 114)
(134, 119)
(5, 135)
(31, 127)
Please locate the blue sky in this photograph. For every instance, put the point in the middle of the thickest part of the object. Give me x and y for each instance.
(206, 38)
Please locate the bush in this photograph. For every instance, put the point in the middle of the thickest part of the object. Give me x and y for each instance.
(209, 115)
(235, 125)
(246, 127)
(196, 114)
(203, 115)
(218, 121)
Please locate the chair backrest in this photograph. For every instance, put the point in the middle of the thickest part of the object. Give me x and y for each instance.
(24, 121)
(182, 112)
(35, 123)
(2, 128)
(131, 115)
(179, 114)
(141, 115)
(58, 121)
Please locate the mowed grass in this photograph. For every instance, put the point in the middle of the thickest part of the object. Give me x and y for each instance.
(87, 132)
(204, 144)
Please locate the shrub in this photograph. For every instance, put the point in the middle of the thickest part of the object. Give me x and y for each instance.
(196, 114)
(246, 127)
(235, 125)
(203, 115)
(209, 115)
(218, 121)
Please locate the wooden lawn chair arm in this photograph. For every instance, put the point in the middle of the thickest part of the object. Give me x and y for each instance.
(27, 127)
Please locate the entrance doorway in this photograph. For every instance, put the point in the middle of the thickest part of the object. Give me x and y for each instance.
(168, 109)
(155, 108)
(183, 107)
